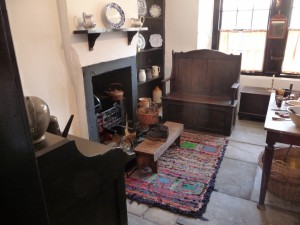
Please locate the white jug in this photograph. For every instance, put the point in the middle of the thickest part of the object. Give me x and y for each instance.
(155, 71)
(142, 75)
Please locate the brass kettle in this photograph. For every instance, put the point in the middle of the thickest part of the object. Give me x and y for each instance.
(115, 91)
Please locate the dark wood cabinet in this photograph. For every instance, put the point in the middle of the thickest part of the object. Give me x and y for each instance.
(52, 183)
(150, 56)
(83, 181)
(254, 103)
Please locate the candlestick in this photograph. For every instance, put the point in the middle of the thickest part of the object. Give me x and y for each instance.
(272, 83)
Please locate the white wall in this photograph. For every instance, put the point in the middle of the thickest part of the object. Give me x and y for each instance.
(50, 56)
(205, 24)
(180, 28)
(266, 82)
(37, 41)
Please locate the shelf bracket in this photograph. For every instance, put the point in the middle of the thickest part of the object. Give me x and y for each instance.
(130, 35)
(92, 37)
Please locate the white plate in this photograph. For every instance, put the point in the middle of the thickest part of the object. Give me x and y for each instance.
(293, 102)
(155, 10)
(114, 15)
(141, 43)
(142, 7)
(155, 40)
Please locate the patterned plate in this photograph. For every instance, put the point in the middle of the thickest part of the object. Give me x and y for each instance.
(114, 15)
(155, 40)
(141, 43)
(142, 7)
(155, 10)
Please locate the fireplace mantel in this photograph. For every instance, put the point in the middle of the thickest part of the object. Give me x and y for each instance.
(93, 34)
(130, 84)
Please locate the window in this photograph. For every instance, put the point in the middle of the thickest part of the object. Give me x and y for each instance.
(292, 51)
(243, 27)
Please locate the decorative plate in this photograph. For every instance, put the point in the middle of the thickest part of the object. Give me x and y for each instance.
(155, 10)
(293, 102)
(155, 40)
(141, 43)
(142, 7)
(114, 15)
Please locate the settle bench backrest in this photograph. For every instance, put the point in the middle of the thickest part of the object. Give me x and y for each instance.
(205, 72)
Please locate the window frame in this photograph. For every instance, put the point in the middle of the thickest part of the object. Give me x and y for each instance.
(285, 8)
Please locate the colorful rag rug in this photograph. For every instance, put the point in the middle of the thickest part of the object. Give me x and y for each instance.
(185, 178)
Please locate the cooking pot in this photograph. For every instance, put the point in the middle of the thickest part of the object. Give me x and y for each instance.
(115, 91)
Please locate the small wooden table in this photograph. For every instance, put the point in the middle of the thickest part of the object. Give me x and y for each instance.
(277, 131)
(148, 152)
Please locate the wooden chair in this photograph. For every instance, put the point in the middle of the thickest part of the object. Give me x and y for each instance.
(203, 90)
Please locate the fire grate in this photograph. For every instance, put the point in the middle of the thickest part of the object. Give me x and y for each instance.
(111, 117)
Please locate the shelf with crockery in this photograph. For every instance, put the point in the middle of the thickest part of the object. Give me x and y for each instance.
(151, 44)
(94, 33)
(150, 79)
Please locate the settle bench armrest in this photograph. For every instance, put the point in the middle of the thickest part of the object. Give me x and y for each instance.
(167, 79)
(234, 88)
(235, 85)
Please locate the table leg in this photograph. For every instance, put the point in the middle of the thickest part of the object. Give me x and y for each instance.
(267, 164)
(177, 141)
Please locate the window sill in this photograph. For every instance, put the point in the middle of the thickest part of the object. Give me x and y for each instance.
(295, 76)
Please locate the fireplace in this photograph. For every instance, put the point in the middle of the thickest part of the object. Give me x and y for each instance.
(98, 77)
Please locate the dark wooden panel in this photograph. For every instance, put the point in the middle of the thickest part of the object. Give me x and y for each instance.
(254, 103)
(203, 93)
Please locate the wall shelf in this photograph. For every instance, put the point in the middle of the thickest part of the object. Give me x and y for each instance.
(93, 34)
(150, 80)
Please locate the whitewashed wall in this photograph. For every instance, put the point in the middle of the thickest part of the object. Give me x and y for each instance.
(50, 56)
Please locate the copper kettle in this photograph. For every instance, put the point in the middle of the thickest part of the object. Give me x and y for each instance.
(115, 91)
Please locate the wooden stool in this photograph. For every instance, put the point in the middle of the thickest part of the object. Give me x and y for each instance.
(148, 152)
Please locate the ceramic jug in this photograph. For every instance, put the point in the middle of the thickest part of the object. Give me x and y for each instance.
(155, 71)
(88, 21)
(156, 95)
(137, 22)
(142, 75)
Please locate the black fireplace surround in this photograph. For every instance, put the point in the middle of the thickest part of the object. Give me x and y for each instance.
(97, 78)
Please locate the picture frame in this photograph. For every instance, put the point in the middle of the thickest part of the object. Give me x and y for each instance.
(277, 27)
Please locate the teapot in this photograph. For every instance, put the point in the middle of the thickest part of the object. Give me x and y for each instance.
(88, 21)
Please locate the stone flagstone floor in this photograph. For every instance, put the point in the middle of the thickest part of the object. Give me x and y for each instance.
(237, 190)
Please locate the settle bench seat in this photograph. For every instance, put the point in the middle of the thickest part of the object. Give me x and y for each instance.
(203, 90)
(203, 99)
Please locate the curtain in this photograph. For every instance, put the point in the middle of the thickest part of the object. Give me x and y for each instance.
(291, 62)
(250, 43)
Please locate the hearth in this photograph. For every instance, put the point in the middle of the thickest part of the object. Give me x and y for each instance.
(97, 79)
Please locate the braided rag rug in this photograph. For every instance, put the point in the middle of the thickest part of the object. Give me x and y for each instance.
(186, 176)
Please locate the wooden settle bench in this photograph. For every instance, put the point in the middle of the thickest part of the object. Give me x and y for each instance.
(203, 90)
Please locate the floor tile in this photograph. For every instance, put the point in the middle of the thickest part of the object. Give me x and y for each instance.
(136, 220)
(228, 210)
(236, 178)
(249, 132)
(243, 151)
(161, 217)
(136, 208)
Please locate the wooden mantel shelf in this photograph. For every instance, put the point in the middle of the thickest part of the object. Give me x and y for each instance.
(94, 33)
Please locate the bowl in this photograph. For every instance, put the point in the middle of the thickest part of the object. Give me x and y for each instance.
(294, 112)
